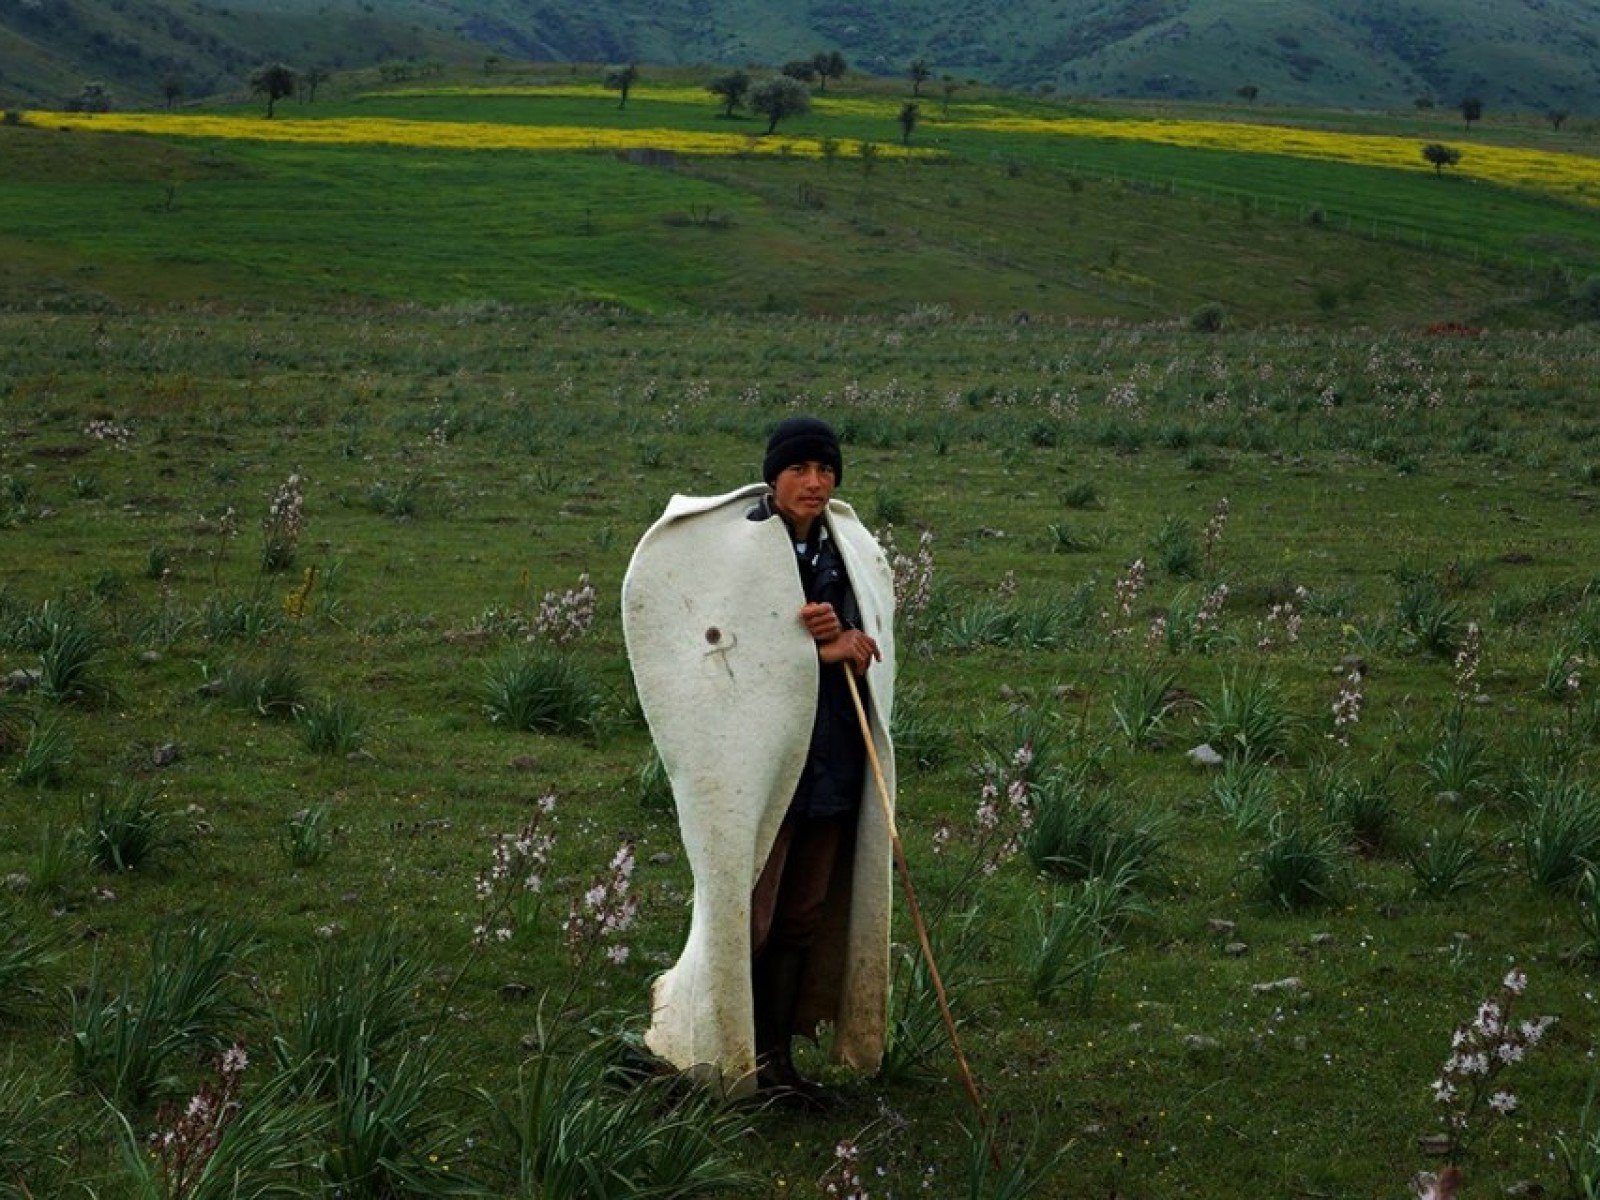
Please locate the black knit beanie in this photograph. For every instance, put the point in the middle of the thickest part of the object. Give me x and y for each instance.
(798, 440)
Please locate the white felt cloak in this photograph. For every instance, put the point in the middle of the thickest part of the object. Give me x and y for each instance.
(727, 677)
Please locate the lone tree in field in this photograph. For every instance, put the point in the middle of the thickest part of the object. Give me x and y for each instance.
(274, 81)
(1248, 93)
(622, 80)
(733, 88)
(920, 72)
(948, 86)
(829, 64)
(1441, 156)
(910, 113)
(780, 97)
(94, 98)
(172, 89)
(311, 81)
(1556, 117)
(1471, 110)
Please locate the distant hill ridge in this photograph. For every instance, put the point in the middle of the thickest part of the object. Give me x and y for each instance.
(1522, 54)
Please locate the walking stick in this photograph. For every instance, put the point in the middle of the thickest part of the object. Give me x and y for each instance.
(916, 918)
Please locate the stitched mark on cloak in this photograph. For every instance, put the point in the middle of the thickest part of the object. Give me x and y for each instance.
(721, 643)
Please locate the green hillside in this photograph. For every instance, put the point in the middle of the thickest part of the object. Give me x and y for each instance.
(1349, 52)
(989, 221)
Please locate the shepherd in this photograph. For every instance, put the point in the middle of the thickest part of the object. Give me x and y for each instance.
(743, 613)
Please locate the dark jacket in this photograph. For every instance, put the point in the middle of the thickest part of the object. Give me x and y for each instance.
(835, 770)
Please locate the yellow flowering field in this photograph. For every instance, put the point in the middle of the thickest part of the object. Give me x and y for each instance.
(823, 103)
(451, 135)
(1571, 176)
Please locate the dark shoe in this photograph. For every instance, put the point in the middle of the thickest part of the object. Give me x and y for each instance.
(779, 1079)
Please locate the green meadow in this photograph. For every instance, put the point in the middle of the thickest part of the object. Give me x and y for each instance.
(256, 768)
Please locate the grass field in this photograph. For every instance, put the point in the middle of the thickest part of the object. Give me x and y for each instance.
(459, 465)
(1014, 205)
(253, 805)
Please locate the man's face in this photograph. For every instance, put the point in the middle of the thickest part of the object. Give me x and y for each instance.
(801, 492)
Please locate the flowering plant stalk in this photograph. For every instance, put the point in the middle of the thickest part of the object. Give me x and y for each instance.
(1480, 1050)
(605, 910)
(913, 577)
(283, 524)
(515, 876)
(189, 1138)
(1212, 538)
(1347, 706)
(567, 616)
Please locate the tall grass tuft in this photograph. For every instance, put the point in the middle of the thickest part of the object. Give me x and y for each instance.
(276, 690)
(1458, 760)
(44, 758)
(1177, 548)
(578, 1128)
(124, 829)
(540, 691)
(355, 999)
(1248, 717)
(127, 1046)
(1448, 861)
(1022, 1172)
(331, 725)
(1141, 702)
(1247, 793)
(1082, 833)
(247, 618)
(916, 1034)
(13, 720)
(24, 957)
(58, 862)
(30, 1126)
(1300, 866)
(306, 838)
(654, 785)
(922, 741)
(1588, 896)
(223, 1146)
(1560, 833)
(1428, 620)
(389, 1132)
(72, 659)
(1364, 806)
(1075, 937)
(1580, 1152)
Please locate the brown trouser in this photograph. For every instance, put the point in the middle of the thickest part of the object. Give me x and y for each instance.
(786, 906)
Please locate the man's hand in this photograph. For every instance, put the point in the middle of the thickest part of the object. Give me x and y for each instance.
(853, 647)
(821, 622)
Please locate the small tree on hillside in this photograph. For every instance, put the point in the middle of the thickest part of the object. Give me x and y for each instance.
(780, 97)
(948, 86)
(733, 88)
(622, 80)
(1556, 117)
(910, 113)
(1471, 110)
(311, 81)
(1441, 156)
(802, 69)
(1248, 93)
(919, 72)
(94, 98)
(172, 89)
(274, 81)
(829, 64)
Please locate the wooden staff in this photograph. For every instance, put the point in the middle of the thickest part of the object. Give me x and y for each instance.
(916, 918)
